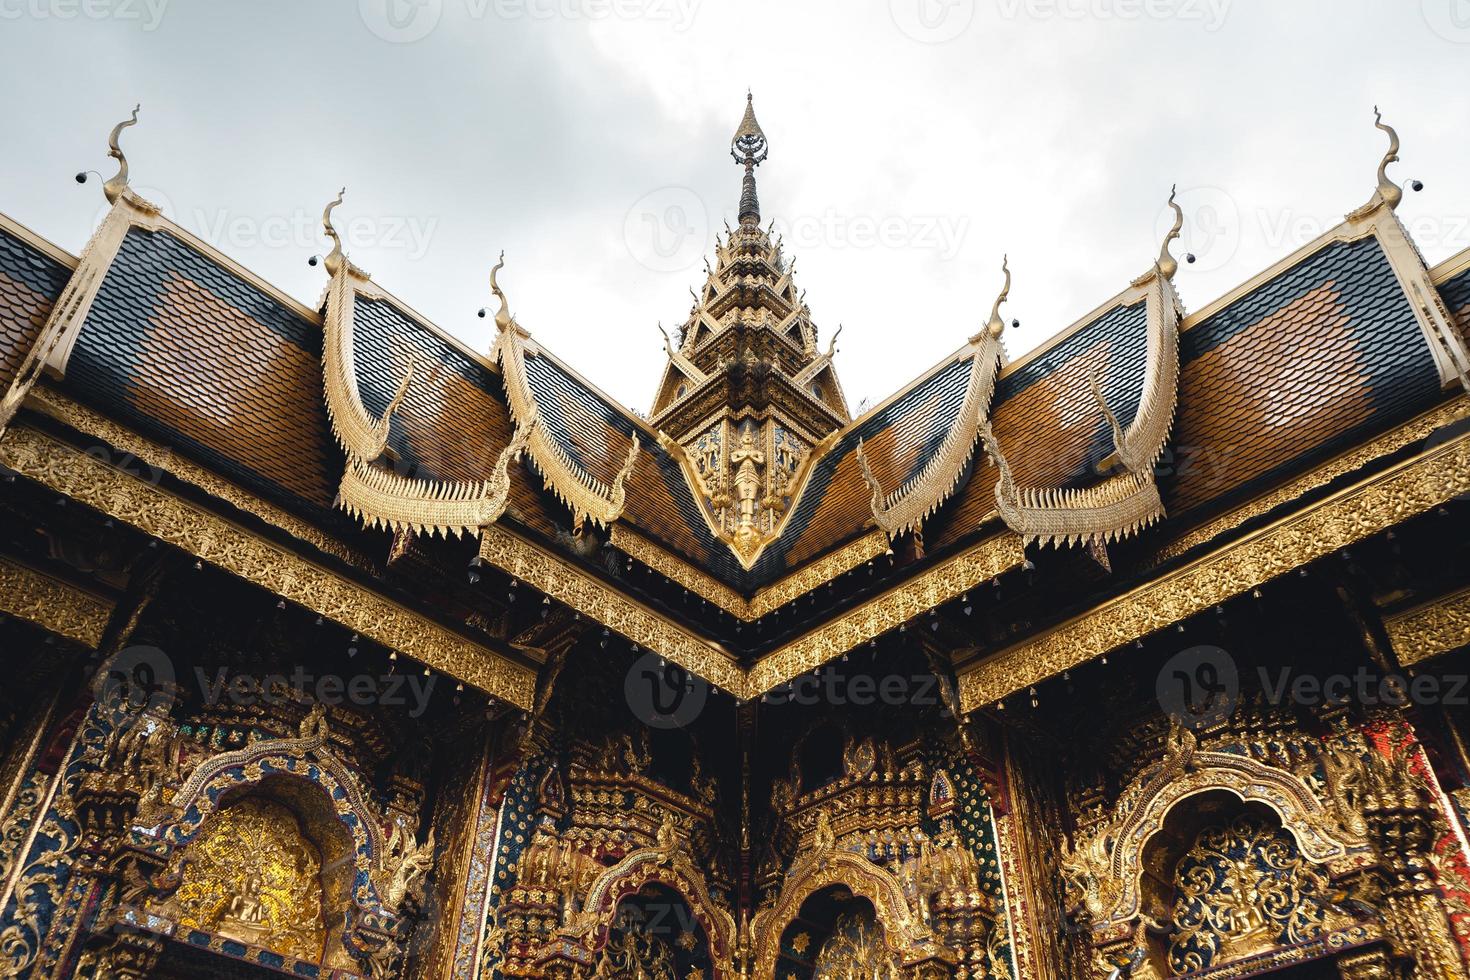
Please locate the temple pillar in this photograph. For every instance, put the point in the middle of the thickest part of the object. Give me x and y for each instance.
(1400, 822)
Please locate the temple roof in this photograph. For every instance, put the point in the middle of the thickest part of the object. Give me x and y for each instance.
(1140, 420)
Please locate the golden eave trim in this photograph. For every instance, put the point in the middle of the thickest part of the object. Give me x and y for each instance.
(766, 600)
(53, 605)
(1433, 628)
(587, 595)
(1450, 267)
(946, 581)
(1367, 508)
(221, 542)
(63, 409)
(906, 508)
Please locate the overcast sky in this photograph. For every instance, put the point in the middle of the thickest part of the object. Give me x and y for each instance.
(912, 142)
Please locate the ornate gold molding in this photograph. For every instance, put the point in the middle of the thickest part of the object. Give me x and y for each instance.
(1414, 430)
(237, 550)
(90, 423)
(945, 581)
(53, 605)
(584, 593)
(1365, 509)
(1428, 630)
(766, 600)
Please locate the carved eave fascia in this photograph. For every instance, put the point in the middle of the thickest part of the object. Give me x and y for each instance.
(1371, 506)
(1126, 502)
(905, 509)
(585, 495)
(1430, 629)
(53, 345)
(370, 491)
(56, 606)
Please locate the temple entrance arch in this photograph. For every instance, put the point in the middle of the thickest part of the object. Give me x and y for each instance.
(904, 934)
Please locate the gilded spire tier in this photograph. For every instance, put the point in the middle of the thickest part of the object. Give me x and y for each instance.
(747, 391)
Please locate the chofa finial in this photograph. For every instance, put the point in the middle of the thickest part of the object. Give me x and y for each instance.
(502, 316)
(334, 258)
(1389, 192)
(114, 188)
(996, 326)
(1168, 265)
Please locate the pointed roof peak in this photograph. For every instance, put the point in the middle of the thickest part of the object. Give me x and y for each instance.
(749, 143)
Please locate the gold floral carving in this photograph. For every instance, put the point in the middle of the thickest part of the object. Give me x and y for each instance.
(942, 583)
(52, 605)
(1360, 511)
(90, 423)
(1431, 629)
(1108, 866)
(582, 592)
(228, 545)
(1415, 430)
(766, 600)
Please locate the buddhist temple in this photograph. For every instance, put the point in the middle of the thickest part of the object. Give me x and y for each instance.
(337, 647)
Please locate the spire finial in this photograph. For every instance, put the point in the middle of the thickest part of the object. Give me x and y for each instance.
(996, 326)
(334, 258)
(114, 188)
(749, 148)
(1167, 264)
(1390, 193)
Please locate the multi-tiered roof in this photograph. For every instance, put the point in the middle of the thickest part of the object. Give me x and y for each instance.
(748, 528)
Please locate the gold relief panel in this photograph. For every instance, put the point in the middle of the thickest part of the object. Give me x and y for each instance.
(253, 876)
(52, 604)
(1431, 629)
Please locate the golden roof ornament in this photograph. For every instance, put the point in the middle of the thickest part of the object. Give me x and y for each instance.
(335, 258)
(996, 326)
(113, 189)
(1387, 193)
(503, 319)
(1167, 264)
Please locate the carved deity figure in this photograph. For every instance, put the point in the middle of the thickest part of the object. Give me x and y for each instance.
(748, 461)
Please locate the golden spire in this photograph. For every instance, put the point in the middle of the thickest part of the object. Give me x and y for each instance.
(334, 258)
(114, 188)
(1168, 265)
(996, 326)
(1388, 192)
(749, 148)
